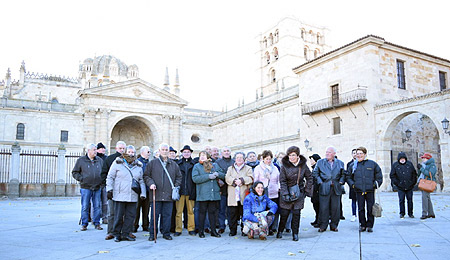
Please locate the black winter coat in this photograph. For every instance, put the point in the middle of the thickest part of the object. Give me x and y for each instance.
(365, 177)
(224, 164)
(88, 172)
(288, 178)
(107, 164)
(187, 184)
(403, 176)
(154, 174)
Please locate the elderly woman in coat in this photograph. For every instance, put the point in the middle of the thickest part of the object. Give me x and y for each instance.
(206, 174)
(428, 172)
(259, 212)
(118, 184)
(239, 178)
(294, 171)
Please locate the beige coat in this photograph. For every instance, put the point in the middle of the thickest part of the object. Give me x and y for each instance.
(246, 177)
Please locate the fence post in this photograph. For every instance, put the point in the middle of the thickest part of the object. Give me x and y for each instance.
(61, 172)
(13, 185)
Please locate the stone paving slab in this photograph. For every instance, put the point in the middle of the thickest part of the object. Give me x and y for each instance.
(47, 228)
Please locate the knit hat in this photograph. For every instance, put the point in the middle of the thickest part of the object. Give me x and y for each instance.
(100, 145)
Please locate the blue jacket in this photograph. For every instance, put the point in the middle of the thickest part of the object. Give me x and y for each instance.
(366, 176)
(430, 167)
(255, 204)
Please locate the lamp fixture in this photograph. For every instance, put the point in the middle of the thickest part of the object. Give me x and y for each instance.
(307, 145)
(407, 135)
(445, 125)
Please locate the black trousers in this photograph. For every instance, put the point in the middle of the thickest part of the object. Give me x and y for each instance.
(295, 222)
(123, 218)
(212, 207)
(316, 206)
(401, 197)
(363, 200)
(274, 226)
(330, 205)
(143, 205)
(235, 214)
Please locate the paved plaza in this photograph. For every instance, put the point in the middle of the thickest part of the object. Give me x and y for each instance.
(47, 228)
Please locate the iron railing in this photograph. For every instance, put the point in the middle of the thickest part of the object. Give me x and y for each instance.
(346, 98)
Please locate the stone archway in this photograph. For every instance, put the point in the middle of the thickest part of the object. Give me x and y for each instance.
(424, 138)
(134, 131)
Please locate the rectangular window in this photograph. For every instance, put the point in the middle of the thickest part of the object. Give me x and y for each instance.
(64, 136)
(443, 80)
(335, 95)
(401, 74)
(336, 125)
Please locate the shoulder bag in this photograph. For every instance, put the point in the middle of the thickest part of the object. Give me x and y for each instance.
(175, 190)
(294, 191)
(376, 208)
(427, 185)
(135, 186)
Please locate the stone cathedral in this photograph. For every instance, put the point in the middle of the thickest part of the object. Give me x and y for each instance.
(368, 92)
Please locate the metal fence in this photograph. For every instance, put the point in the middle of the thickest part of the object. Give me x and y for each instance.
(5, 163)
(71, 159)
(38, 167)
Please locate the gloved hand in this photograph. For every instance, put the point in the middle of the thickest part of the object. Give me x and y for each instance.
(270, 213)
(109, 194)
(216, 174)
(211, 176)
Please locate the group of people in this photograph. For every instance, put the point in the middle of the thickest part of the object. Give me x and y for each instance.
(257, 195)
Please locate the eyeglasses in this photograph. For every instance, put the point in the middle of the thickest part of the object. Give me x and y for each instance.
(360, 153)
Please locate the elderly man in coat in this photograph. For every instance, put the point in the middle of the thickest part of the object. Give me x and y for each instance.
(157, 179)
(330, 176)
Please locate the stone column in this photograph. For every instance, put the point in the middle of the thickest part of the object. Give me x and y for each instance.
(89, 126)
(445, 162)
(61, 172)
(14, 172)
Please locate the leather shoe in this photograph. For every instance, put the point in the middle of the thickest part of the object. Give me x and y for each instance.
(288, 231)
(431, 216)
(192, 233)
(316, 226)
(83, 228)
(295, 237)
(145, 229)
(150, 238)
(334, 229)
(131, 235)
(279, 235)
(109, 237)
(215, 234)
(370, 230)
(423, 217)
(117, 239)
(206, 230)
(321, 230)
(167, 237)
(201, 235)
(411, 215)
(232, 233)
(128, 238)
(221, 231)
(135, 229)
(362, 229)
(271, 233)
(98, 227)
(177, 234)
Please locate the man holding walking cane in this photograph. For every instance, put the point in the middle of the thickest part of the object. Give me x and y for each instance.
(161, 175)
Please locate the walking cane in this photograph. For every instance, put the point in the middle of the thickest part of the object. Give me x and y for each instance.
(154, 215)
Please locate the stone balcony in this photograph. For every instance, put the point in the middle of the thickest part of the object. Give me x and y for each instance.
(347, 98)
(37, 105)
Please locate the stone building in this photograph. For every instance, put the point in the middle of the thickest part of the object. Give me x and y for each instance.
(380, 95)
(369, 92)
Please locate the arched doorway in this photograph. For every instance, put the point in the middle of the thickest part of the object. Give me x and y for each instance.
(134, 131)
(415, 133)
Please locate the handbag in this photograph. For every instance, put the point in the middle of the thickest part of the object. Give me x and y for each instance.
(376, 208)
(175, 190)
(294, 191)
(135, 186)
(427, 185)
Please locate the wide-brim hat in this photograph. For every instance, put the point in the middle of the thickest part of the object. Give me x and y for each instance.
(172, 150)
(100, 145)
(186, 147)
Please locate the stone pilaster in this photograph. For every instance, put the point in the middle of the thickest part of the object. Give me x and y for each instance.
(60, 189)
(89, 126)
(13, 185)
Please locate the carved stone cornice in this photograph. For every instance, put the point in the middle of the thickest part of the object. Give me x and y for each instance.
(413, 99)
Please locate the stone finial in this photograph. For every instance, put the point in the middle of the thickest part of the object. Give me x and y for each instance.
(177, 79)
(22, 67)
(282, 84)
(166, 79)
(262, 94)
(8, 74)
